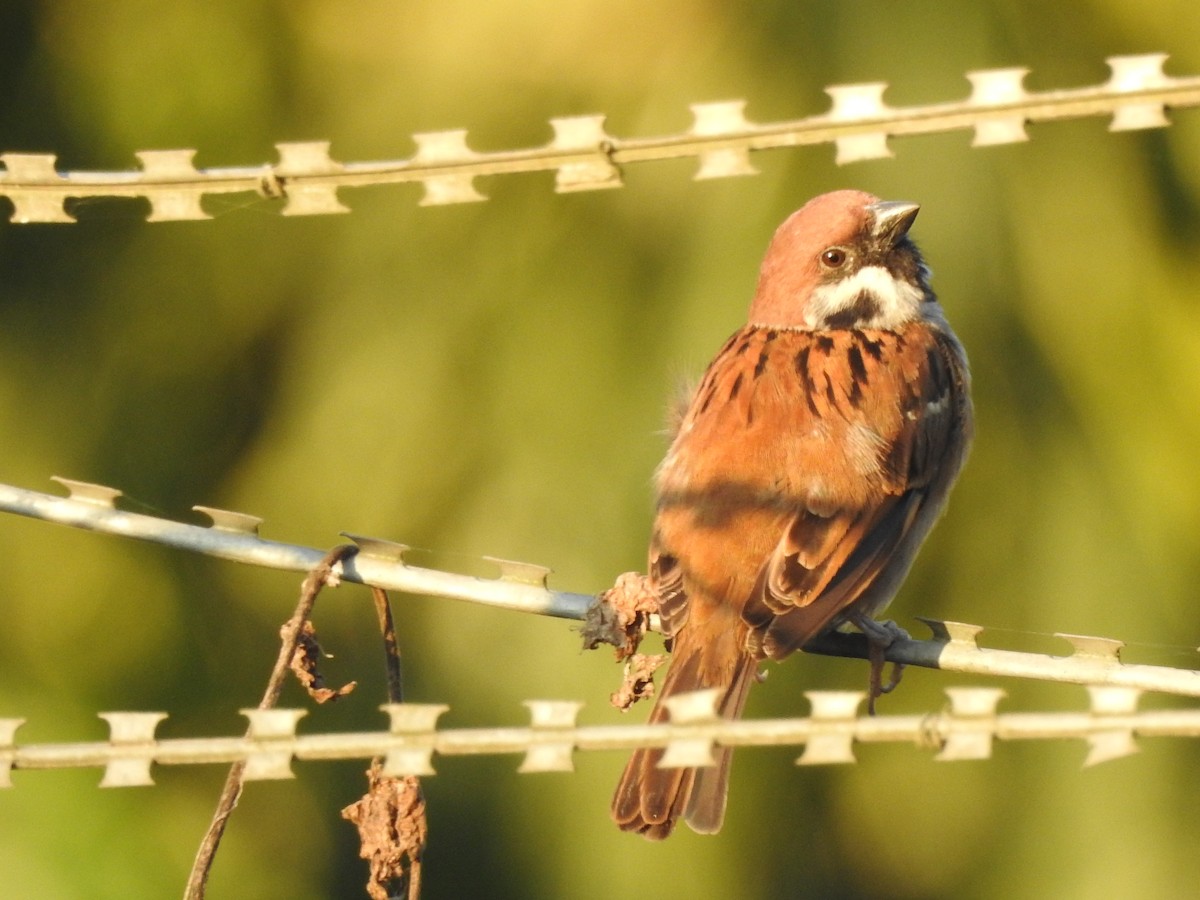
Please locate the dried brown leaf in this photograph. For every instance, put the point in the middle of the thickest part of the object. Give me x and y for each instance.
(638, 682)
(621, 615)
(392, 832)
(304, 666)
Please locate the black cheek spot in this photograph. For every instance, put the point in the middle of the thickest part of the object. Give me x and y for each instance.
(864, 308)
(842, 320)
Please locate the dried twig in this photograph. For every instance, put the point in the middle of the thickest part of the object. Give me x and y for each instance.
(391, 649)
(321, 575)
(390, 817)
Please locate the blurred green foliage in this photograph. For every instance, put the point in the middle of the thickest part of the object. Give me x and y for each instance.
(491, 379)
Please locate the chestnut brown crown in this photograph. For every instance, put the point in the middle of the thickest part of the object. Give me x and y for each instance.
(844, 260)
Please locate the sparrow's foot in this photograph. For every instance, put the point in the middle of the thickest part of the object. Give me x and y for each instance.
(880, 636)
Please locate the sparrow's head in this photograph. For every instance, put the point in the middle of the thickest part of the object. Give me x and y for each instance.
(844, 260)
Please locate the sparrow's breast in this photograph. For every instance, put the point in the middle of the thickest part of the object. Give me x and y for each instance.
(783, 421)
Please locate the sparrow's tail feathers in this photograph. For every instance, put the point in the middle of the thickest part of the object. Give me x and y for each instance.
(649, 800)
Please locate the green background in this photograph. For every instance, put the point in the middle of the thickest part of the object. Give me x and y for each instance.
(491, 379)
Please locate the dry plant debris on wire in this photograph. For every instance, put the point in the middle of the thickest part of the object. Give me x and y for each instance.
(390, 817)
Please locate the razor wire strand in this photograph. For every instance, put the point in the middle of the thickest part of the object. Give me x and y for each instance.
(967, 727)
(584, 156)
(522, 587)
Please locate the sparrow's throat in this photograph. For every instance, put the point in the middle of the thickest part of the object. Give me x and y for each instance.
(872, 297)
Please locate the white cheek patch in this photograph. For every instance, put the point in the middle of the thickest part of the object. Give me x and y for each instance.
(897, 301)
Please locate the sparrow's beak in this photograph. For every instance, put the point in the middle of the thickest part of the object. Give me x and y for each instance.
(891, 219)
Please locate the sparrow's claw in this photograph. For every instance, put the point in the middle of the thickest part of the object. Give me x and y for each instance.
(880, 636)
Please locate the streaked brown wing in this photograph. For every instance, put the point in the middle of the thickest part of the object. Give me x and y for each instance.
(667, 578)
(785, 617)
(832, 557)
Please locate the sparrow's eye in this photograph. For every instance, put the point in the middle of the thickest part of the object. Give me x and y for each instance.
(834, 257)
